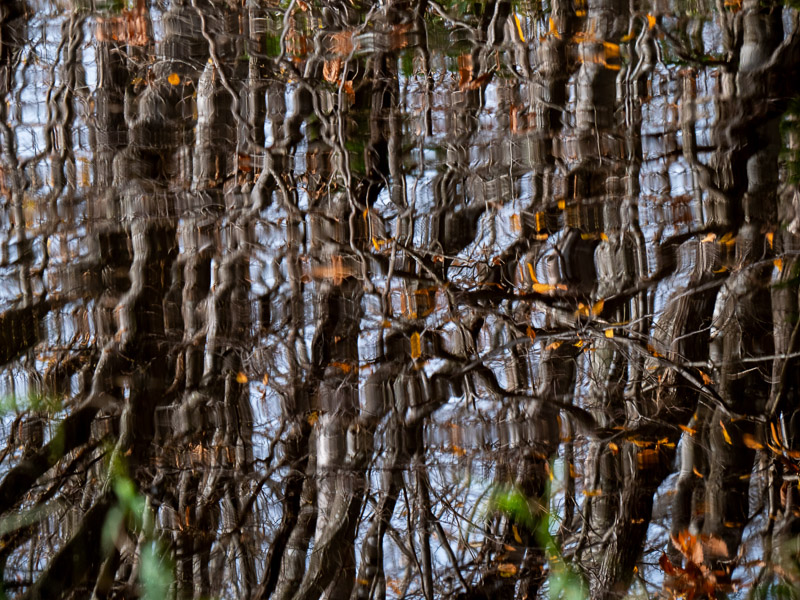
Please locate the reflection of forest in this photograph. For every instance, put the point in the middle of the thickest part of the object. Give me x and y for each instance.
(407, 299)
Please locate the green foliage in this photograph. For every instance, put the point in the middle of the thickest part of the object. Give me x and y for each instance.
(34, 402)
(132, 511)
(513, 503)
(564, 581)
(790, 130)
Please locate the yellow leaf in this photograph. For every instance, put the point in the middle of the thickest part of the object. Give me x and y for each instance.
(778, 264)
(363, 582)
(770, 237)
(603, 237)
(651, 21)
(416, 347)
(174, 79)
(578, 344)
(728, 239)
(597, 307)
(265, 379)
(612, 50)
(516, 223)
(613, 447)
(515, 531)
(725, 433)
(609, 333)
(696, 472)
(543, 288)
(519, 28)
(553, 31)
(592, 493)
(688, 430)
(312, 418)
(561, 204)
(241, 377)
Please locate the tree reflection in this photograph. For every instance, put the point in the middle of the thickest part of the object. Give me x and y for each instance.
(322, 299)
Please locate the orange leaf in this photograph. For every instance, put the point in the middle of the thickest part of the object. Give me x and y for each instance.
(241, 377)
(667, 566)
(174, 79)
(775, 435)
(751, 442)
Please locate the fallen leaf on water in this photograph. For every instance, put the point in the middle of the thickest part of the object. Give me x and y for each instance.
(507, 569)
(725, 433)
(751, 442)
(416, 346)
(517, 536)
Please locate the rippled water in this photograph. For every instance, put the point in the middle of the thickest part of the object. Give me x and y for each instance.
(405, 299)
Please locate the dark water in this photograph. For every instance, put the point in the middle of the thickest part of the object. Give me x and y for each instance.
(405, 299)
